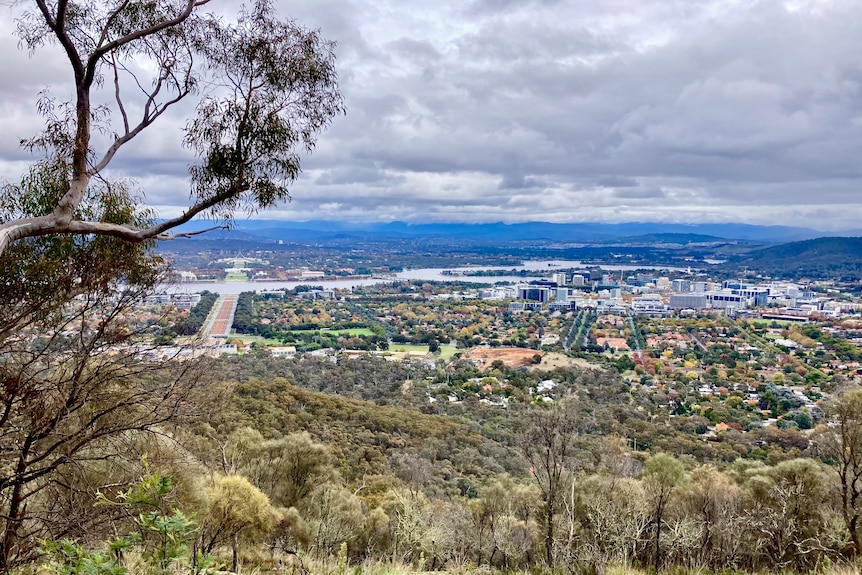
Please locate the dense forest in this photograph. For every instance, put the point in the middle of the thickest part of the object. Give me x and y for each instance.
(312, 463)
(584, 483)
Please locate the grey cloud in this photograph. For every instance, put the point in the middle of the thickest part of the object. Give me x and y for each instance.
(505, 44)
(520, 182)
(416, 50)
(358, 175)
(639, 193)
(617, 182)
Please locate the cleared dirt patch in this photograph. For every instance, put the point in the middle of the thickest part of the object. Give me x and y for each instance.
(517, 356)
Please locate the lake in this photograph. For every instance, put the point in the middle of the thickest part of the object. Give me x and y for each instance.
(543, 270)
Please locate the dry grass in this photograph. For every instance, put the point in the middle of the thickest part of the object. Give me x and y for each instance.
(552, 360)
(483, 357)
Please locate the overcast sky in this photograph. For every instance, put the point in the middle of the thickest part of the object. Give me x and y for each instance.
(551, 110)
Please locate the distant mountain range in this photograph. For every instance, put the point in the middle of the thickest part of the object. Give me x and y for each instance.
(271, 230)
(671, 238)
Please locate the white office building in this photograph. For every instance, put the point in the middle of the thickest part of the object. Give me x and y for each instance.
(681, 286)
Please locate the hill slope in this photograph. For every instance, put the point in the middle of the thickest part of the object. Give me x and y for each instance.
(838, 257)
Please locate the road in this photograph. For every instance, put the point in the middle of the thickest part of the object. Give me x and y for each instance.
(634, 331)
(696, 341)
(567, 343)
(221, 317)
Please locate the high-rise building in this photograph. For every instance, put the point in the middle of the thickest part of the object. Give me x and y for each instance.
(534, 293)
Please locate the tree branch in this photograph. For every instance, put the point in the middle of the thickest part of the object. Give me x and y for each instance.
(51, 224)
(57, 26)
(117, 97)
(109, 20)
(149, 118)
(98, 53)
(11, 232)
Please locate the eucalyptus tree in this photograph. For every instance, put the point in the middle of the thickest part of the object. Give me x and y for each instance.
(793, 517)
(77, 388)
(78, 404)
(662, 474)
(548, 443)
(843, 445)
(265, 88)
(715, 505)
(234, 507)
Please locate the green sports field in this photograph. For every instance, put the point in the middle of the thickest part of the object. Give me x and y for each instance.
(353, 331)
(446, 351)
